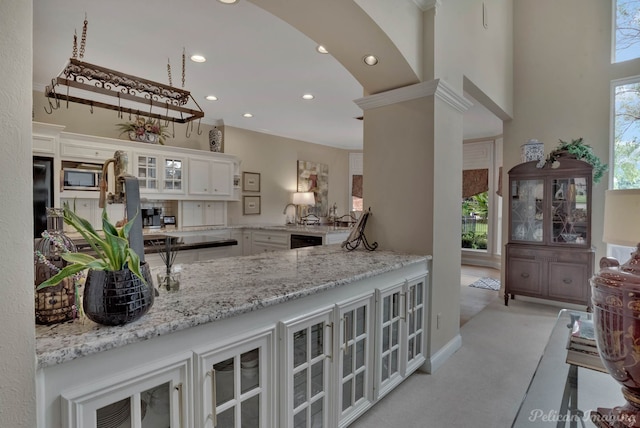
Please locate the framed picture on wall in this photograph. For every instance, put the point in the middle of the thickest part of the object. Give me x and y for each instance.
(251, 181)
(250, 205)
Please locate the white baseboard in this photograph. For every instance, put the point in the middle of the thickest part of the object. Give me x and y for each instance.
(436, 360)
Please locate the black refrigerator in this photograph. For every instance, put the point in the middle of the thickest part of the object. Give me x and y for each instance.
(42, 193)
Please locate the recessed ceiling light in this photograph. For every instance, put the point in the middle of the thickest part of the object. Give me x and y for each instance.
(370, 60)
(247, 115)
(308, 97)
(228, 1)
(198, 58)
(211, 98)
(322, 49)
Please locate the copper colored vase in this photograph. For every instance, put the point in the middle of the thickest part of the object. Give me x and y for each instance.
(615, 295)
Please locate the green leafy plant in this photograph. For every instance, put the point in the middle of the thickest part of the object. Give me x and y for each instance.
(113, 251)
(140, 126)
(579, 150)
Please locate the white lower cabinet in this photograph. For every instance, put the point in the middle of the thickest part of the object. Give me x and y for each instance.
(308, 363)
(306, 358)
(400, 333)
(354, 371)
(327, 360)
(268, 241)
(236, 384)
(160, 397)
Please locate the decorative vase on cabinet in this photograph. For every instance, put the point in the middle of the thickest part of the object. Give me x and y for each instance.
(549, 253)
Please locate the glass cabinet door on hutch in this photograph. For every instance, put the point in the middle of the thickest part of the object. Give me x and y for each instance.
(527, 212)
(569, 209)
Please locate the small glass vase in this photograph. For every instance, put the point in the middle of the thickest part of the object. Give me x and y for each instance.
(169, 281)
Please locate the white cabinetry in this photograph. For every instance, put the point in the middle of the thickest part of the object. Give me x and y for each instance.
(306, 358)
(211, 177)
(159, 396)
(204, 213)
(89, 151)
(89, 210)
(328, 361)
(354, 372)
(237, 384)
(159, 174)
(267, 241)
(400, 324)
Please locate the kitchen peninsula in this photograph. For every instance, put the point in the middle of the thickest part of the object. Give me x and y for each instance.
(316, 334)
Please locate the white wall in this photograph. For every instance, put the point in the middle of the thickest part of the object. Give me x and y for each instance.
(275, 158)
(17, 335)
(465, 48)
(562, 83)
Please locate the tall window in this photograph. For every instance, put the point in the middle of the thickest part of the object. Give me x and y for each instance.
(626, 148)
(627, 30)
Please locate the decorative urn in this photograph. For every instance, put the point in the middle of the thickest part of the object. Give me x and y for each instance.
(615, 295)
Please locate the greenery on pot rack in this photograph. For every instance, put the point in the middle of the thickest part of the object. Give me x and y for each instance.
(140, 126)
(113, 251)
(579, 150)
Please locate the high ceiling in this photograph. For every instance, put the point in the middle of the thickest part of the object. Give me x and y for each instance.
(256, 63)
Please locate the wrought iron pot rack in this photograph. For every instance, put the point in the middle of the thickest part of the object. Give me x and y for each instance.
(122, 92)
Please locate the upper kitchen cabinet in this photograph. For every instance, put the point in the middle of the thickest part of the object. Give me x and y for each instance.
(164, 172)
(211, 178)
(160, 173)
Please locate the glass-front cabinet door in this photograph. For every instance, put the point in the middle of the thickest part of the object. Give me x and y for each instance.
(388, 373)
(159, 174)
(527, 210)
(172, 175)
(355, 359)
(569, 211)
(147, 173)
(415, 322)
(308, 352)
(237, 384)
(149, 400)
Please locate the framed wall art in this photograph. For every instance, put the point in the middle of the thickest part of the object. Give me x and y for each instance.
(250, 205)
(314, 177)
(250, 181)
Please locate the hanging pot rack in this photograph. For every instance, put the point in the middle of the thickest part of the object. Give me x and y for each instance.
(102, 87)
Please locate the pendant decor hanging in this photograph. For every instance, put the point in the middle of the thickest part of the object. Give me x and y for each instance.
(97, 86)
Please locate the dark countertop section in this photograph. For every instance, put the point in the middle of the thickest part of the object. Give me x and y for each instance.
(155, 243)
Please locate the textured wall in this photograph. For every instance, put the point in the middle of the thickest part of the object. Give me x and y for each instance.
(17, 335)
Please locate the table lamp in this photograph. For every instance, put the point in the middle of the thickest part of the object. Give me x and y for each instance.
(303, 198)
(615, 296)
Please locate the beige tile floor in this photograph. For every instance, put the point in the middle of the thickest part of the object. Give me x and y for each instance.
(473, 300)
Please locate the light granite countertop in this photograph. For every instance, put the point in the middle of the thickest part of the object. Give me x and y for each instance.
(241, 285)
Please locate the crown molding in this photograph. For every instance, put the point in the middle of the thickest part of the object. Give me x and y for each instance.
(436, 87)
(425, 5)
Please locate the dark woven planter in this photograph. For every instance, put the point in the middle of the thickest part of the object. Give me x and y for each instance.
(117, 297)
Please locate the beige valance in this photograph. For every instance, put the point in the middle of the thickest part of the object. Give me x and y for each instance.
(474, 181)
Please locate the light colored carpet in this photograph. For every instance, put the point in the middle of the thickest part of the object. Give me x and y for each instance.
(486, 283)
(483, 383)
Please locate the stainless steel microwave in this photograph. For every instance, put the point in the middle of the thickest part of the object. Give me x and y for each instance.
(81, 179)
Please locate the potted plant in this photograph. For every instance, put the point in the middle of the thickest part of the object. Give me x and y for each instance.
(118, 287)
(144, 130)
(579, 150)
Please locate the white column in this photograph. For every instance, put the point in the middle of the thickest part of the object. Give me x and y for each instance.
(413, 185)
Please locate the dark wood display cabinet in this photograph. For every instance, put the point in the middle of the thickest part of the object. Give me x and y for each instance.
(549, 253)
